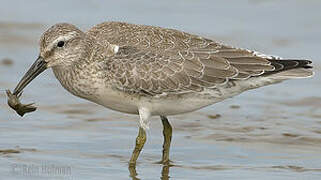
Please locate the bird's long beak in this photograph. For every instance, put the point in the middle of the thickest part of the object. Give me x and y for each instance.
(37, 67)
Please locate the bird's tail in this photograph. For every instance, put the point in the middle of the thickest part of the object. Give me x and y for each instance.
(290, 68)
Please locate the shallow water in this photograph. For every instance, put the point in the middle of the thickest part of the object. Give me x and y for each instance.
(269, 133)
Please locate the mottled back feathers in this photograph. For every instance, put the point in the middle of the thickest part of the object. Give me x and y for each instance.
(157, 60)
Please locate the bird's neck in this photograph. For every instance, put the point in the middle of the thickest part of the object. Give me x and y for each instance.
(76, 78)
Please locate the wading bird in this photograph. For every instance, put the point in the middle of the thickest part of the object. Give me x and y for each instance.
(153, 71)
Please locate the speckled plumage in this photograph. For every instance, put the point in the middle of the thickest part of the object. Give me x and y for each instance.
(150, 71)
(129, 67)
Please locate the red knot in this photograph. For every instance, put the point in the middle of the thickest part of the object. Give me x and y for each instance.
(153, 71)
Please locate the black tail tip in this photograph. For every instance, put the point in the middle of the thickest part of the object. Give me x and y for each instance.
(305, 64)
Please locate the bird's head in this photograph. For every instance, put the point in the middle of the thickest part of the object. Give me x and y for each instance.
(61, 45)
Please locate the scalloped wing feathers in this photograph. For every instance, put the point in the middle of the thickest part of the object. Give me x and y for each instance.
(157, 60)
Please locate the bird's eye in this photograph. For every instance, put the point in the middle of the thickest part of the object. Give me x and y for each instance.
(61, 44)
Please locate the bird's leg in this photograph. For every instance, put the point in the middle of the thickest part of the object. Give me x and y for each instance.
(167, 132)
(144, 115)
(140, 141)
(133, 173)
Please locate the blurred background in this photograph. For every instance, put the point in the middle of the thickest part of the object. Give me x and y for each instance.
(268, 133)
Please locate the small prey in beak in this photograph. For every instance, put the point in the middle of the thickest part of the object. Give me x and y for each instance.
(14, 103)
(13, 98)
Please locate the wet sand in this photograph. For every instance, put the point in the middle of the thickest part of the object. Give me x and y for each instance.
(268, 133)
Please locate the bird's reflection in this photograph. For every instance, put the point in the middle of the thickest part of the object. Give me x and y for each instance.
(164, 173)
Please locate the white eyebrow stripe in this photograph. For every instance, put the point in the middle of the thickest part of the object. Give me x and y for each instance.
(66, 37)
